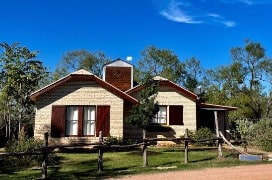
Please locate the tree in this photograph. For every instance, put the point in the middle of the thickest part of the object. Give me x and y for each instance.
(242, 83)
(257, 66)
(194, 72)
(143, 113)
(20, 75)
(160, 62)
(80, 59)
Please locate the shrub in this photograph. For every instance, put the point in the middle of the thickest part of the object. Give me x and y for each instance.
(261, 134)
(234, 131)
(204, 133)
(23, 145)
(110, 140)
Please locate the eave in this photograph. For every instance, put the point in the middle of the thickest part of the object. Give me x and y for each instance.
(83, 77)
(168, 83)
(215, 107)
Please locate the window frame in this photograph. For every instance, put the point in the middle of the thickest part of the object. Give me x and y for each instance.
(89, 120)
(155, 120)
(59, 120)
(80, 128)
(68, 121)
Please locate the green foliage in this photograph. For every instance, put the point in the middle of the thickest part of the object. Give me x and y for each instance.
(25, 145)
(204, 133)
(159, 62)
(118, 164)
(80, 59)
(193, 74)
(111, 140)
(258, 134)
(244, 127)
(261, 134)
(143, 113)
(242, 83)
(234, 131)
(20, 74)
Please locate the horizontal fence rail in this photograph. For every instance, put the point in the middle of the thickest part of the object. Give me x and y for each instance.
(100, 146)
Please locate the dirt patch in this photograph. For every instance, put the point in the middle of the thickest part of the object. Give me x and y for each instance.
(254, 172)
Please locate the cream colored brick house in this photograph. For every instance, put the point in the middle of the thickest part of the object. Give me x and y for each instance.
(78, 106)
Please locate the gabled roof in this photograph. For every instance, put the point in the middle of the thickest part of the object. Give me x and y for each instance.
(215, 107)
(83, 75)
(118, 62)
(166, 82)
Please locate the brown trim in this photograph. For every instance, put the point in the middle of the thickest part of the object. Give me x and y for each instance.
(58, 120)
(103, 120)
(135, 89)
(82, 77)
(176, 115)
(215, 106)
(180, 89)
(168, 83)
(34, 95)
(80, 121)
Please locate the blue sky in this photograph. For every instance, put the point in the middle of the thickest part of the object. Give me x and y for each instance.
(205, 29)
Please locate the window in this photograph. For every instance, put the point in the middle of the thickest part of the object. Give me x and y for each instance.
(71, 120)
(160, 117)
(89, 120)
(80, 120)
(175, 115)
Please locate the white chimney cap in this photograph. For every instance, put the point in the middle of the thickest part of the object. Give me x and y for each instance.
(129, 58)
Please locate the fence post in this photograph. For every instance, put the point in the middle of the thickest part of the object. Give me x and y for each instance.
(45, 156)
(186, 147)
(100, 152)
(145, 161)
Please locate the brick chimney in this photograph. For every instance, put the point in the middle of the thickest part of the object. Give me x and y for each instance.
(119, 74)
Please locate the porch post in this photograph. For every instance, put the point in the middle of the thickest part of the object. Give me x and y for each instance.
(217, 133)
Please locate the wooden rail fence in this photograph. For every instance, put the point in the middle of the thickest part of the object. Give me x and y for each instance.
(101, 147)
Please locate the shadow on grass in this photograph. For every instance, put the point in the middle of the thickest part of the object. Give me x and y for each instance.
(88, 170)
(140, 153)
(84, 164)
(10, 167)
(202, 159)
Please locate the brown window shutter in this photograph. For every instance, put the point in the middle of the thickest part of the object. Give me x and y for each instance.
(58, 121)
(175, 115)
(80, 121)
(103, 120)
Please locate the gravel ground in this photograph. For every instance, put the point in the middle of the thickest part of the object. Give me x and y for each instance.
(250, 172)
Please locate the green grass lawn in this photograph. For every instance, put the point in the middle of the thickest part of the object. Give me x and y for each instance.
(84, 165)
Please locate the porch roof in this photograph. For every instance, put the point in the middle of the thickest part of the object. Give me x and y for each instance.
(215, 107)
